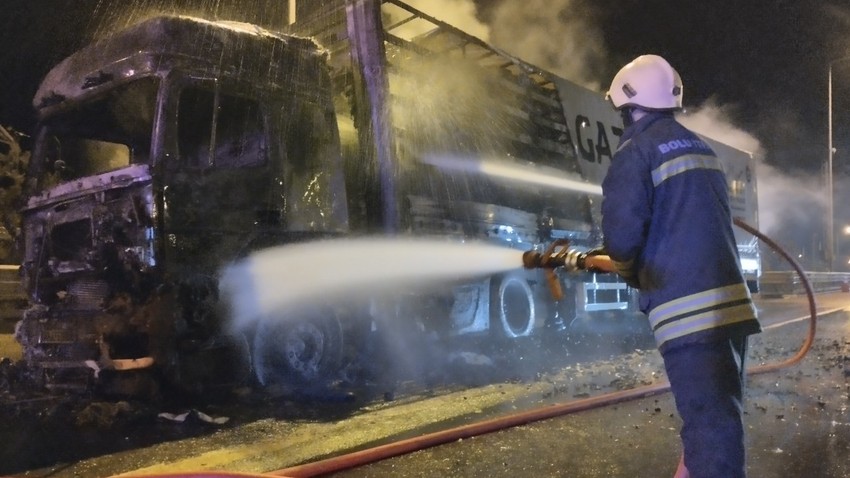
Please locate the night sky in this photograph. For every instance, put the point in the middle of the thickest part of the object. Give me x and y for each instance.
(766, 58)
(764, 62)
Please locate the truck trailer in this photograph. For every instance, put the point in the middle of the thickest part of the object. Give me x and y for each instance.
(170, 149)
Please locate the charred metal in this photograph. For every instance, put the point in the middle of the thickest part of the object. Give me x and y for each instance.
(179, 145)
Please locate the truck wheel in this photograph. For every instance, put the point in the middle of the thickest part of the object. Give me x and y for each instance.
(512, 306)
(301, 350)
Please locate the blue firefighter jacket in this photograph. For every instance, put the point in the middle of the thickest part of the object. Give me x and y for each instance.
(667, 225)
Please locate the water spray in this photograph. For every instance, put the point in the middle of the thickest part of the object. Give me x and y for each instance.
(559, 254)
(548, 260)
(528, 172)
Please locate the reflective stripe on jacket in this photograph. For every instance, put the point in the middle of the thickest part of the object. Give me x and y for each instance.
(667, 225)
(701, 311)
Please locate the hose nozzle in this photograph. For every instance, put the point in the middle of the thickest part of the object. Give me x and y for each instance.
(548, 261)
(560, 255)
(566, 257)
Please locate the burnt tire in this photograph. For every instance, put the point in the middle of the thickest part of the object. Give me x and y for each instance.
(512, 309)
(302, 350)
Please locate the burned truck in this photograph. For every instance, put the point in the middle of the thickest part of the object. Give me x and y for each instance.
(174, 147)
(162, 153)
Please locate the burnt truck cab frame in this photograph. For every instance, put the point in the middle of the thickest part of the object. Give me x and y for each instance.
(160, 155)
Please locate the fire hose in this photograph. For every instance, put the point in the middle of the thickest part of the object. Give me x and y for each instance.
(549, 261)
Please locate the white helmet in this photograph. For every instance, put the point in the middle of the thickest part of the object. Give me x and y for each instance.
(648, 82)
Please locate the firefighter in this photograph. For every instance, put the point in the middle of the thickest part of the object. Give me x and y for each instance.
(668, 229)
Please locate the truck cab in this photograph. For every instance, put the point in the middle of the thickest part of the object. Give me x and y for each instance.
(161, 154)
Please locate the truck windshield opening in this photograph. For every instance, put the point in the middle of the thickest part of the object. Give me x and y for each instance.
(101, 134)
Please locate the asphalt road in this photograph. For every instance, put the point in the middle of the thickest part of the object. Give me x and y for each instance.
(796, 419)
(803, 407)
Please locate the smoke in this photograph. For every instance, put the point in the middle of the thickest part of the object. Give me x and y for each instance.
(565, 37)
(458, 13)
(791, 204)
(441, 102)
(714, 120)
(841, 14)
(788, 203)
(561, 36)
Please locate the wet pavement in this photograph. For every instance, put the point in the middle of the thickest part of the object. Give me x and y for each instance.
(797, 421)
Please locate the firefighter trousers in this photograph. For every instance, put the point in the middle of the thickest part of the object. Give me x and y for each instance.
(707, 381)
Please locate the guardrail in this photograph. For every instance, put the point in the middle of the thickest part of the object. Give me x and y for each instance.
(781, 283)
